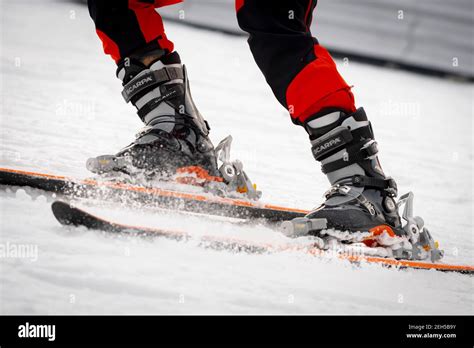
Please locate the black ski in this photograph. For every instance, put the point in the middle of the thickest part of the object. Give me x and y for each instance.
(69, 215)
(150, 196)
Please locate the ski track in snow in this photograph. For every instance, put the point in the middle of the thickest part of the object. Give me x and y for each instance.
(61, 104)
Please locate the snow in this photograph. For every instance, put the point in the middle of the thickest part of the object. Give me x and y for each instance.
(61, 104)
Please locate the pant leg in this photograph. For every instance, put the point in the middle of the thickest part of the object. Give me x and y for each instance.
(125, 26)
(301, 73)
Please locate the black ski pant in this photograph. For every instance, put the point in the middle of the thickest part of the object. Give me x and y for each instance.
(300, 72)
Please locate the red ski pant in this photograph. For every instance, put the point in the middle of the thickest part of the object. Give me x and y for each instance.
(300, 72)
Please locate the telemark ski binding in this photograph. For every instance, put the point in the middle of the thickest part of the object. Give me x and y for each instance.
(232, 172)
(233, 181)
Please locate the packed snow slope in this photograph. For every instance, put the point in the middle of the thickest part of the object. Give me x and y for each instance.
(61, 104)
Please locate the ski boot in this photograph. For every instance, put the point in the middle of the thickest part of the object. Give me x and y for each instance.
(175, 134)
(360, 206)
(175, 138)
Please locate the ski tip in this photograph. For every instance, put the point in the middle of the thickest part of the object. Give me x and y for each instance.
(62, 211)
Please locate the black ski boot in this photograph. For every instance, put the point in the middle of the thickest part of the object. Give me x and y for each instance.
(175, 134)
(360, 206)
(175, 139)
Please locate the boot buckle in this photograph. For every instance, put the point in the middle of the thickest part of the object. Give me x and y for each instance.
(344, 189)
(337, 189)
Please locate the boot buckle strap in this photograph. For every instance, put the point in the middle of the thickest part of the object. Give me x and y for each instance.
(388, 185)
(346, 190)
(353, 154)
(150, 78)
(168, 93)
(332, 141)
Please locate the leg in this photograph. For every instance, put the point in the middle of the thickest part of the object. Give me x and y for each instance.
(300, 72)
(156, 83)
(305, 80)
(127, 26)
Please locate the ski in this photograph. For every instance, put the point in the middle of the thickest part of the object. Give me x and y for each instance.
(151, 196)
(69, 215)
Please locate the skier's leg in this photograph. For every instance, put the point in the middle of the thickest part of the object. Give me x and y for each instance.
(127, 26)
(300, 72)
(305, 80)
(155, 82)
